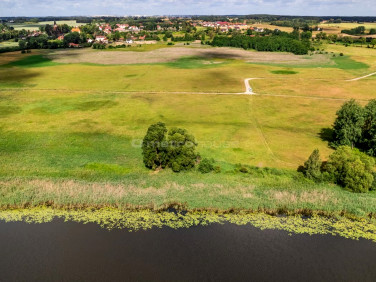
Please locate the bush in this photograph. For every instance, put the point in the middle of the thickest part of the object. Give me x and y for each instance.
(312, 167)
(243, 169)
(206, 166)
(351, 169)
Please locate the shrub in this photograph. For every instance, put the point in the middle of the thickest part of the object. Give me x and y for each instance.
(312, 167)
(206, 166)
(243, 169)
(351, 169)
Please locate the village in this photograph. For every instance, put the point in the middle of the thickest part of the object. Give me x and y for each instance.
(112, 34)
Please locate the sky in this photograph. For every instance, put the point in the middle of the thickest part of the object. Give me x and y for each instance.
(33, 8)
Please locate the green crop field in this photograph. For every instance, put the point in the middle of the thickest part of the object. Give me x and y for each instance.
(35, 26)
(68, 127)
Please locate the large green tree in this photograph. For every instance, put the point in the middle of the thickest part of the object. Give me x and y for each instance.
(347, 129)
(181, 150)
(154, 146)
(175, 150)
(369, 128)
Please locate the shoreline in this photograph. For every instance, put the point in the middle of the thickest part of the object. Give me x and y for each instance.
(112, 218)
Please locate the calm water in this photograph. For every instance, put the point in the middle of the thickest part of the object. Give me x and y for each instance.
(71, 251)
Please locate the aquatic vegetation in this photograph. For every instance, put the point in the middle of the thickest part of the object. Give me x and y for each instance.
(111, 218)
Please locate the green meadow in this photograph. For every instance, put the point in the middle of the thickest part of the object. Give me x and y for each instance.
(70, 133)
(35, 26)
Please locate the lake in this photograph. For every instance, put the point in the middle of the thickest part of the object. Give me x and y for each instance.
(72, 251)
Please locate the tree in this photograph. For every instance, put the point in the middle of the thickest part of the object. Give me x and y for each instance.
(369, 128)
(181, 150)
(351, 169)
(348, 125)
(362, 41)
(373, 43)
(153, 146)
(22, 44)
(312, 166)
(72, 37)
(176, 150)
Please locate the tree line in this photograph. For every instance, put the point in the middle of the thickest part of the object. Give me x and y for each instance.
(273, 43)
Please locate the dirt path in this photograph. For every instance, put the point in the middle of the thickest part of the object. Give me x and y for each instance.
(358, 78)
(248, 88)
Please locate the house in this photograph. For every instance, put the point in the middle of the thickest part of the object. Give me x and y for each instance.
(134, 29)
(122, 26)
(61, 37)
(101, 38)
(90, 40)
(257, 29)
(129, 41)
(142, 37)
(120, 29)
(74, 45)
(76, 29)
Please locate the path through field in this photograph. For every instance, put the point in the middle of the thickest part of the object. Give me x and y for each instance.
(358, 78)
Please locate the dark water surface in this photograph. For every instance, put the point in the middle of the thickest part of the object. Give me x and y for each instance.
(71, 251)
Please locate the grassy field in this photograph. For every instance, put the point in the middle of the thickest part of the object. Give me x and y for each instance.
(8, 44)
(70, 132)
(35, 26)
(335, 28)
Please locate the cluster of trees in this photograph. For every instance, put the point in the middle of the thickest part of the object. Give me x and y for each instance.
(174, 148)
(346, 167)
(55, 32)
(354, 138)
(360, 30)
(44, 41)
(273, 43)
(347, 40)
(8, 33)
(355, 126)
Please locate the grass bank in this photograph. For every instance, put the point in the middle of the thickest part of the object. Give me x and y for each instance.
(271, 191)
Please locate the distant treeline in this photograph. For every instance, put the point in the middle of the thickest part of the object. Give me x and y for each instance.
(270, 18)
(360, 30)
(259, 17)
(273, 43)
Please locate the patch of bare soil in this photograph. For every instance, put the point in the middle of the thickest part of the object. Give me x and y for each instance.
(164, 55)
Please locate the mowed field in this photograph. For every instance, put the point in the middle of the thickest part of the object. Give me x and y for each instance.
(66, 118)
